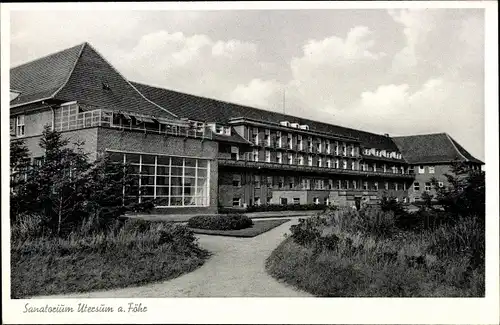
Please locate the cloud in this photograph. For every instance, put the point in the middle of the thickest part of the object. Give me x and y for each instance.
(260, 93)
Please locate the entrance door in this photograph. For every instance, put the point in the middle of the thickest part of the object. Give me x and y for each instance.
(357, 202)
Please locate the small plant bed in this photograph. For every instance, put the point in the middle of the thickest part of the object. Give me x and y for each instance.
(135, 253)
(220, 222)
(258, 227)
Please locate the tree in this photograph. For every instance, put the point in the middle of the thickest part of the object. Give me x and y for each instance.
(68, 190)
(465, 193)
(19, 162)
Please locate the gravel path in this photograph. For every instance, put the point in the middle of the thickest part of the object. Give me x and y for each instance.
(236, 269)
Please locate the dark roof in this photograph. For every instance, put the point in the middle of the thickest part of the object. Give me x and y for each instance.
(80, 74)
(212, 110)
(42, 78)
(432, 148)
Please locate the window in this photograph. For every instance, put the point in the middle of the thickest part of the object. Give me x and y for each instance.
(365, 185)
(354, 185)
(291, 182)
(268, 200)
(278, 138)
(374, 167)
(289, 141)
(344, 164)
(386, 185)
(306, 183)
(336, 148)
(352, 151)
(394, 169)
(427, 186)
(279, 157)
(316, 200)
(320, 184)
(268, 156)
(402, 170)
(235, 153)
(330, 184)
(431, 169)
(320, 162)
(310, 160)
(329, 163)
(301, 160)
(267, 138)
(290, 159)
(318, 146)
(296, 200)
(299, 141)
(172, 181)
(281, 182)
(237, 180)
(421, 169)
(255, 155)
(236, 201)
(20, 125)
(396, 186)
(337, 162)
(375, 185)
(416, 186)
(255, 136)
(283, 200)
(404, 186)
(257, 200)
(384, 168)
(440, 184)
(344, 149)
(326, 201)
(377, 153)
(269, 181)
(339, 184)
(257, 181)
(327, 147)
(353, 165)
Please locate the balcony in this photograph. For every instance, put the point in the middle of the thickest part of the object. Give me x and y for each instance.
(310, 169)
(72, 120)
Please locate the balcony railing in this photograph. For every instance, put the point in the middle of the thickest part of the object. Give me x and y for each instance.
(306, 168)
(68, 118)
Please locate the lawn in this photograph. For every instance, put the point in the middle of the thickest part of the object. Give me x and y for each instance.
(80, 263)
(258, 227)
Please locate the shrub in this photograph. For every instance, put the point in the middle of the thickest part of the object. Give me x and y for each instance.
(276, 207)
(129, 254)
(221, 222)
(307, 231)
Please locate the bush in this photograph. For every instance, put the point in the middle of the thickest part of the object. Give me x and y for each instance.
(220, 222)
(307, 231)
(275, 207)
(132, 253)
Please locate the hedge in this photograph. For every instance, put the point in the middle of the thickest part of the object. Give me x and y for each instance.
(220, 222)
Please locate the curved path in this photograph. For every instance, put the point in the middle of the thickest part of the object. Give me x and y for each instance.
(236, 269)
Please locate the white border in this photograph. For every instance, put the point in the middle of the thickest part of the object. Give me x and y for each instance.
(281, 310)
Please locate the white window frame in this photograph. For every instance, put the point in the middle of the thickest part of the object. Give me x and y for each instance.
(268, 155)
(309, 160)
(432, 169)
(20, 127)
(421, 169)
(279, 157)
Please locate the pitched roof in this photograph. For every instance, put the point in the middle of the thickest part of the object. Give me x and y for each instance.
(432, 148)
(212, 110)
(80, 74)
(42, 78)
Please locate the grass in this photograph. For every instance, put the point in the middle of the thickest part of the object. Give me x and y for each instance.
(360, 264)
(80, 263)
(258, 227)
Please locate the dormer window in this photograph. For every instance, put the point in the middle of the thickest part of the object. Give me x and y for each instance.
(105, 86)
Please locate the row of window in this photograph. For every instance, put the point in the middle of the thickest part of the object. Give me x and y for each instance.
(428, 186)
(237, 201)
(430, 169)
(382, 153)
(302, 143)
(317, 184)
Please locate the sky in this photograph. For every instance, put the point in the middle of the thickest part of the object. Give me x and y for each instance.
(395, 71)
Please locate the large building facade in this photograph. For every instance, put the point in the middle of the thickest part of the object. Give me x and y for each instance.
(195, 154)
